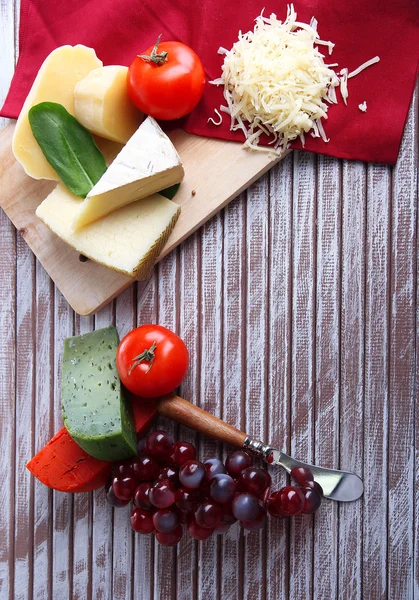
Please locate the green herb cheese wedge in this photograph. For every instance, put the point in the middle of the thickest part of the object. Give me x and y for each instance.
(95, 412)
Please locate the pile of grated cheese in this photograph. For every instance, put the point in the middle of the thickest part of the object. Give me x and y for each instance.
(276, 82)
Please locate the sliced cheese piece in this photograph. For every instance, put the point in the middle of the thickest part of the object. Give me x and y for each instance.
(103, 106)
(55, 82)
(147, 164)
(128, 240)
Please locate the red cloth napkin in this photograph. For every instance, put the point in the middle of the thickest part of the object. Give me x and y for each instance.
(120, 29)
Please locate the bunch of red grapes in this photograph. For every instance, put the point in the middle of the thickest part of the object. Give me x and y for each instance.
(170, 488)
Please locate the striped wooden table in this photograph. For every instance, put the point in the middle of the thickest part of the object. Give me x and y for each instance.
(299, 306)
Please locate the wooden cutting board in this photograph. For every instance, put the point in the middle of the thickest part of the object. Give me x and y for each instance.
(215, 172)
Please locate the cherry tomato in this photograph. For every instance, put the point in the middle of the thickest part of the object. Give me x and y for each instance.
(152, 361)
(167, 81)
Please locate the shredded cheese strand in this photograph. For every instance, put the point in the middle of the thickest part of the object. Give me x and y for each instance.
(220, 118)
(366, 64)
(344, 84)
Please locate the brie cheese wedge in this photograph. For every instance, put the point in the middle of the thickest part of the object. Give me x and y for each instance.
(147, 164)
(128, 240)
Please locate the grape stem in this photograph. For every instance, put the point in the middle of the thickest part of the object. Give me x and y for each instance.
(154, 57)
(145, 356)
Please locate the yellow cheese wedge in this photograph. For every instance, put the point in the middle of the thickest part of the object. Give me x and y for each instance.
(147, 164)
(55, 82)
(103, 106)
(128, 240)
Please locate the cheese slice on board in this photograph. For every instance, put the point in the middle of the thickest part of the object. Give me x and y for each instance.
(128, 240)
(55, 82)
(147, 164)
(102, 104)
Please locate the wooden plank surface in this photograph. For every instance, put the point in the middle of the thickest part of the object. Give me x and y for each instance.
(299, 305)
(352, 352)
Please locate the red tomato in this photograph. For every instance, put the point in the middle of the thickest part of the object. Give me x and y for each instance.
(152, 361)
(167, 81)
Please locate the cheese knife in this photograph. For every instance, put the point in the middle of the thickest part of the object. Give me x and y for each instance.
(337, 485)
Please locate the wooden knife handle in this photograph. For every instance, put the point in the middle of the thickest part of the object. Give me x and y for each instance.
(188, 414)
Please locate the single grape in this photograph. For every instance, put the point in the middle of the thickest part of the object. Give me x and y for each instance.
(141, 496)
(145, 468)
(237, 461)
(170, 473)
(182, 452)
(124, 487)
(287, 502)
(245, 507)
(222, 527)
(254, 480)
(162, 494)
(159, 444)
(222, 488)
(209, 515)
(191, 474)
(187, 500)
(315, 486)
(142, 521)
(171, 538)
(257, 523)
(198, 532)
(312, 500)
(165, 520)
(301, 475)
(213, 466)
(114, 500)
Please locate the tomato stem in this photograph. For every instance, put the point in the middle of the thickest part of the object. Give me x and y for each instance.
(147, 356)
(154, 57)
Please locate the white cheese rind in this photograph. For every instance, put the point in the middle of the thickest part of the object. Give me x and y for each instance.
(128, 240)
(55, 82)
(147, 164)
(103, 106)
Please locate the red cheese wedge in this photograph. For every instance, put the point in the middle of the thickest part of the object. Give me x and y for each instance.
(64, 466)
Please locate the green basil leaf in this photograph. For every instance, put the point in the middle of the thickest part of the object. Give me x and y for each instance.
(171, 191)
(68, 147)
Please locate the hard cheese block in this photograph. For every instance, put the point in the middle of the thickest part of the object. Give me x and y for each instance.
(147, 164)
(95, 411)
(103, 106)
(55, 82)
(128, 240)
